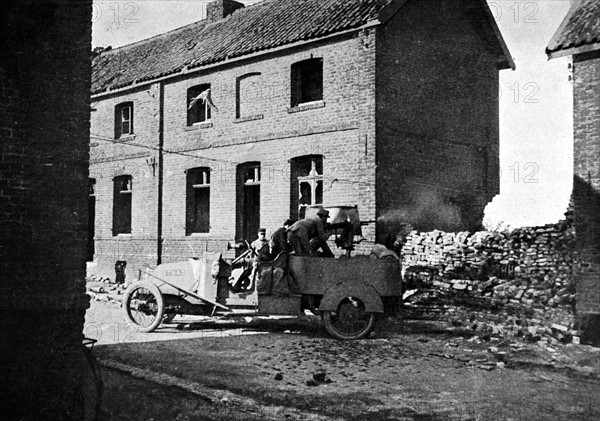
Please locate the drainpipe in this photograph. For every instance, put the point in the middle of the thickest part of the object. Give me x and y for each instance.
(161, 138)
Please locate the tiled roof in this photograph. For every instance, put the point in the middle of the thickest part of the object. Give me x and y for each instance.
(262, 26)
(580, 28)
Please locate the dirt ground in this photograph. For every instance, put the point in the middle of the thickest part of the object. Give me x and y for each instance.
(255, 369)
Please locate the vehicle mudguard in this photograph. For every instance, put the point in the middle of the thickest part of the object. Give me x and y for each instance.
(366, 293)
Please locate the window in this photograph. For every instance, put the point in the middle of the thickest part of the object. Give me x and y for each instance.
(247, 95)
(248, 201)
(122, 205)
(306, 184)
(123, 119)
(307, 81)
(198, 201)
(91, 218)
(198, 108)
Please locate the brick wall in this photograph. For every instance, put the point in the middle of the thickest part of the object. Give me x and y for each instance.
(44, 130)
(586, 123)
(437, 119)
(129, 155)
(341, 129)
(586, 187)
(586, 98)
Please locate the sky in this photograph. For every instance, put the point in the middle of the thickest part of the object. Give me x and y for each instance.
(536, 100)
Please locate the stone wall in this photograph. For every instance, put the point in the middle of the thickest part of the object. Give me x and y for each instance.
(526, 274)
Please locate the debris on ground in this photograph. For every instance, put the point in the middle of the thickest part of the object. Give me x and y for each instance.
(102, 289)
(515, 284)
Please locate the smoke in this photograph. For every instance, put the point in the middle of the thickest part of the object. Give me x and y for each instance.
(430, 209)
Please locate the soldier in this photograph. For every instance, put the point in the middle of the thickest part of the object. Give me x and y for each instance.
(278, 242)
(260, 246)
(308, 235)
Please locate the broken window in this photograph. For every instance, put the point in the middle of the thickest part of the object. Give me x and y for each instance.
(306, 184)
(247, 95)
(198, 108)
(123, 119)
(122, 205)
(198, 201)
(307, 81)
(248, 201)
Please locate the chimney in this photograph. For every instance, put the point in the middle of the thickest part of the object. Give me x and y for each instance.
(220, 9)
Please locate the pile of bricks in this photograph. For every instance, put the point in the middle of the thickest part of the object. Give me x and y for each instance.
(511, 284)
(99, 289)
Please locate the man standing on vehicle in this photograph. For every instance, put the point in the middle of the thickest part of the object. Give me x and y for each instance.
(260, 246)
(308, 235)
(279, 242)
(260, 252)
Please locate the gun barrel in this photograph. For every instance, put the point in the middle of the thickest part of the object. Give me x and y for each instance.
(337, 225)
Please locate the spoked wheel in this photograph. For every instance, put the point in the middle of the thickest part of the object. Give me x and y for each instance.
(350, 321)
(144, 305)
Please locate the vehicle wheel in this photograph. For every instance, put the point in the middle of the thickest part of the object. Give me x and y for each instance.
(350, 321)
(144, 305)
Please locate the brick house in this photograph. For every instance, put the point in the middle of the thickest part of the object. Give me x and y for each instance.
(579, 37)
(385, 104)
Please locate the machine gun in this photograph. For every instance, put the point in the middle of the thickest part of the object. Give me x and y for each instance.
(345, 225)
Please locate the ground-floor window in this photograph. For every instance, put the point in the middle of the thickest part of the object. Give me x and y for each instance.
(248, 201)
(122, 205)
(306, 184)
(198, 201)
(91, 218)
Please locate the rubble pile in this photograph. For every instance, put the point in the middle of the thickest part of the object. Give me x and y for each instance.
(99, 289)
(517, 283)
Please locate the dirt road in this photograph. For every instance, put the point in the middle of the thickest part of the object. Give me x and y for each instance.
(289, 369)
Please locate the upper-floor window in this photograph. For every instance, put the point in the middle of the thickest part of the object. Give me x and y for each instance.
(198, 100)
(247, 95)
(198, 201)
(307, 81)
(123, 119)
(122, 205)
(306, 184)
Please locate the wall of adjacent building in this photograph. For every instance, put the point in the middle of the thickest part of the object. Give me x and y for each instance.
(44, 135)
(586, 187)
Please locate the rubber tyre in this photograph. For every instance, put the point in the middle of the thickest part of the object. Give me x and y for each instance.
(153, 299)
(350, 321)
